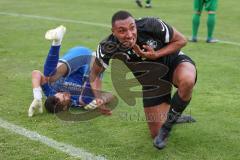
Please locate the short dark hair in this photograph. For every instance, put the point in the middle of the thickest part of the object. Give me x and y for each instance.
(53, 105)
(120, 15)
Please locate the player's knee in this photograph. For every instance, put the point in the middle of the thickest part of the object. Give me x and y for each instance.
(185, 89)
(198, 13)
(187, 83)
(35, 73)
(211, 12)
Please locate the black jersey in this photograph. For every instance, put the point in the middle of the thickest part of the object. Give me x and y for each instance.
(150, 31)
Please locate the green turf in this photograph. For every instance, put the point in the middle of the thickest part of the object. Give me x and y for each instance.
(124, 135)
(13, 146)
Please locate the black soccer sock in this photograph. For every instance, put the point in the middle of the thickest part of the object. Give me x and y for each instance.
(178, 104)
(175, 111)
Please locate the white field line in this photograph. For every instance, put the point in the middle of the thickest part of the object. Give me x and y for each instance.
(54, 19)
(66, 148)
(224, 42)
(82, 22)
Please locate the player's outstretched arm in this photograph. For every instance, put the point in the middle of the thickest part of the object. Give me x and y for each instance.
(104, 108)
(95, 80)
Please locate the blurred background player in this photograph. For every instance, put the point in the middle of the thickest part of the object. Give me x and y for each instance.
(148, 3)
(210, 6)
(65, 81)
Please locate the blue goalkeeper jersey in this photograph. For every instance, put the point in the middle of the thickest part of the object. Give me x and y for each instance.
(76, 82)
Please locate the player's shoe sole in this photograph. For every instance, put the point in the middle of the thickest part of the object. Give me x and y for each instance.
(212, 40)
(148, 6)
(56, 34)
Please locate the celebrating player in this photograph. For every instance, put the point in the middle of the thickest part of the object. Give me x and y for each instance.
(151, 41)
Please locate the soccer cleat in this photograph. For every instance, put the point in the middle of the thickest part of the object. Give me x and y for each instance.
(193, 39)
(36, 104)
(212, 40)
(91, 106)
(139, 3)
(185, 119)
(160, 141)
(56, 34)
(148, 6)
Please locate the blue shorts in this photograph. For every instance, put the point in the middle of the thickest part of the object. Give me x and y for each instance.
(78, 61)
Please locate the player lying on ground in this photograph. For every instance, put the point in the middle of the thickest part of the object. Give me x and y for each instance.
(65, 81)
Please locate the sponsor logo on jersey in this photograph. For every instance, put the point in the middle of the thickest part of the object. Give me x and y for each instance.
(152, 43)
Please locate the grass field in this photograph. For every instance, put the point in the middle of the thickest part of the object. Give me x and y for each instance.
(124, 135)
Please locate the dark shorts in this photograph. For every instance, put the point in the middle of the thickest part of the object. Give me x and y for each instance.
(171, 62)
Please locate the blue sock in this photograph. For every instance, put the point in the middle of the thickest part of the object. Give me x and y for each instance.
(51, 61)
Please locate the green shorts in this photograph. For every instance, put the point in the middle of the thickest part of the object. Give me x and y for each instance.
(209, 5)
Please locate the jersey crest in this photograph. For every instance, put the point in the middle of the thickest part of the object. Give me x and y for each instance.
(152, 43)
